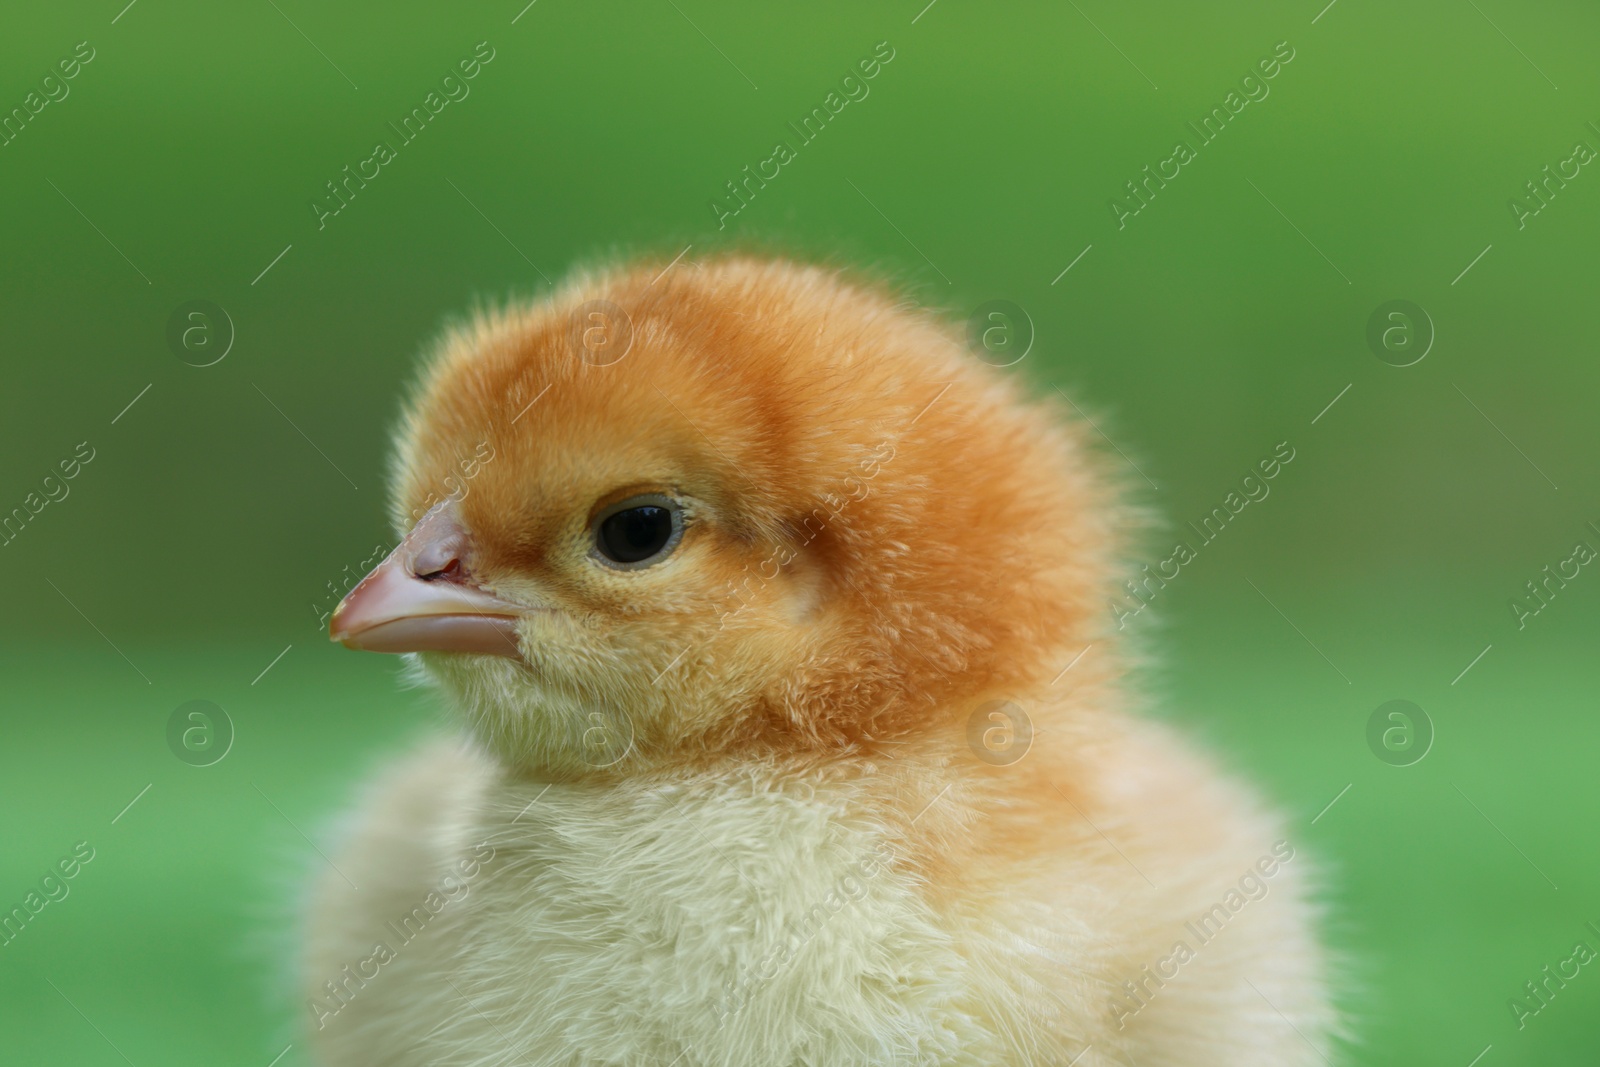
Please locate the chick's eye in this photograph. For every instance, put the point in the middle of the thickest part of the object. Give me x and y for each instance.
(638, 533)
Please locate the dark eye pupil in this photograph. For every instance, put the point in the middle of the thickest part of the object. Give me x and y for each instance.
(635, 534)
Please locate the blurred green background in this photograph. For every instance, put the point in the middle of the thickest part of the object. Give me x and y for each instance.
(188, 559)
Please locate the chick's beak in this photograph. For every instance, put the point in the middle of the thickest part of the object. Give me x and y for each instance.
(422, 598)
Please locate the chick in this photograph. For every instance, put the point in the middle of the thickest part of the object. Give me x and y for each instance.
(794, 722)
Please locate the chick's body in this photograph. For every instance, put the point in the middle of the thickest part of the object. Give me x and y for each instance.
(809, 785)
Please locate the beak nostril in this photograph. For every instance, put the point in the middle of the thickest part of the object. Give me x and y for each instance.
(440, 557)
(451, 571)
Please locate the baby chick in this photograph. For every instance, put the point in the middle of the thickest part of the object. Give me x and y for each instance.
(794, 723)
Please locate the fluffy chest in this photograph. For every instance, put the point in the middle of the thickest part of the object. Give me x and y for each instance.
(748, 922)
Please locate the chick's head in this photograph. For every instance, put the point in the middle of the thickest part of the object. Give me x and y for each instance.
(737, 505)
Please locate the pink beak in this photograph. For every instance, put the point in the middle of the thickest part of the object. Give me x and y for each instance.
(421, 598)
